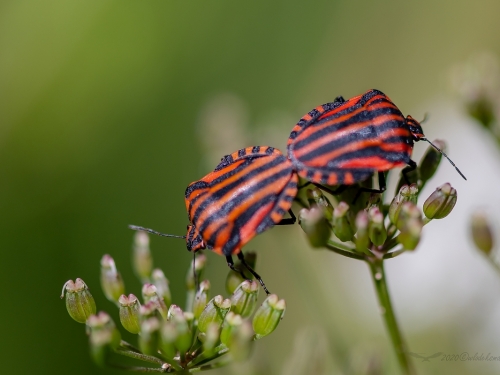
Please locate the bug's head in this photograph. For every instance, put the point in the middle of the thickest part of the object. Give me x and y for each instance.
(415, 128)
(194, 242)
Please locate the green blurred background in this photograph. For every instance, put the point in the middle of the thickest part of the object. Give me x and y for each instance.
(108, 109)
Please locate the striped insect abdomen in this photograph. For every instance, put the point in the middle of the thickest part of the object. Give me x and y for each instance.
(247, 193)
(345, 142)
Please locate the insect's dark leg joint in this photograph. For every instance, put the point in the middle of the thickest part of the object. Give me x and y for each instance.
(288, 221)
(230, 264)
(337, 191)
(241, 257)
(382, 186)
(303, 186)
(411, 167)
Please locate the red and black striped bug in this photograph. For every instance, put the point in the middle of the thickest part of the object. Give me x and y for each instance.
(345, 142)
(249, 191)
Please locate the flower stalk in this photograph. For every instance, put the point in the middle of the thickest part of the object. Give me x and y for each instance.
(387, 313)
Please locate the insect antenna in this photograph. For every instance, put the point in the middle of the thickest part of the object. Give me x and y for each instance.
(135, 227)
(446, 156)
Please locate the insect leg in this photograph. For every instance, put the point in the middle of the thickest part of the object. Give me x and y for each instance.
(303, 186)
(337, 191)
(381, 187)
(411, 167)
(241, 257)
(289, 220)
(230, 264)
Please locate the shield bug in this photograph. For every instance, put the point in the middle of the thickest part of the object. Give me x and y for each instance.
(344, 142)
(249, 191)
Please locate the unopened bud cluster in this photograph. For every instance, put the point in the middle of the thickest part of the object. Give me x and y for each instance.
(358, 224)
(174, 339)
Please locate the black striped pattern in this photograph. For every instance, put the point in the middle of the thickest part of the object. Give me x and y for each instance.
(345, 142)
(247, 193)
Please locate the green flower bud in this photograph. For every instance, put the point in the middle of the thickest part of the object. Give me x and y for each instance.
(211, 338)
(237, 335)
(377, 231)
(148, 310)
(482, 233)
(100, 347)
(149, 338)
(142, 259)
(149, 294)
(430, 161)
(410, 224)
(244, 298)
(315, 225)
(240, 340)
(215, 312)
(441, 202)
(103, 337)
(79, 302)
(362, 223)
(268, 316)
(234, 279)
(231, 323)
(175, 311)
(162, 288)
(199, 265)
(100, 321)
(189, 316)
(315, 197)
(129, 313)
(406, 194)
(168, 336)
(341, 224)
(483, 110)
(201, 298)
(178, 318)
(111, 280)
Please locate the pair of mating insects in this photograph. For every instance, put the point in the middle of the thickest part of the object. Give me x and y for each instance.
(339, 143)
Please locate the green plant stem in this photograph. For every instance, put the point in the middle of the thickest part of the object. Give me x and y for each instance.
(379, 279)
(140, 356)
(139, 369)
(493, 262)
(426, 220)
(335, 247)
(190, 295)
(390, 244)
(210, 366)
(202, 358)
(394, 254)
(125, 345)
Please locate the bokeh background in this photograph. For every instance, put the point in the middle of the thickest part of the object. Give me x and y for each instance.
(108, 109)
